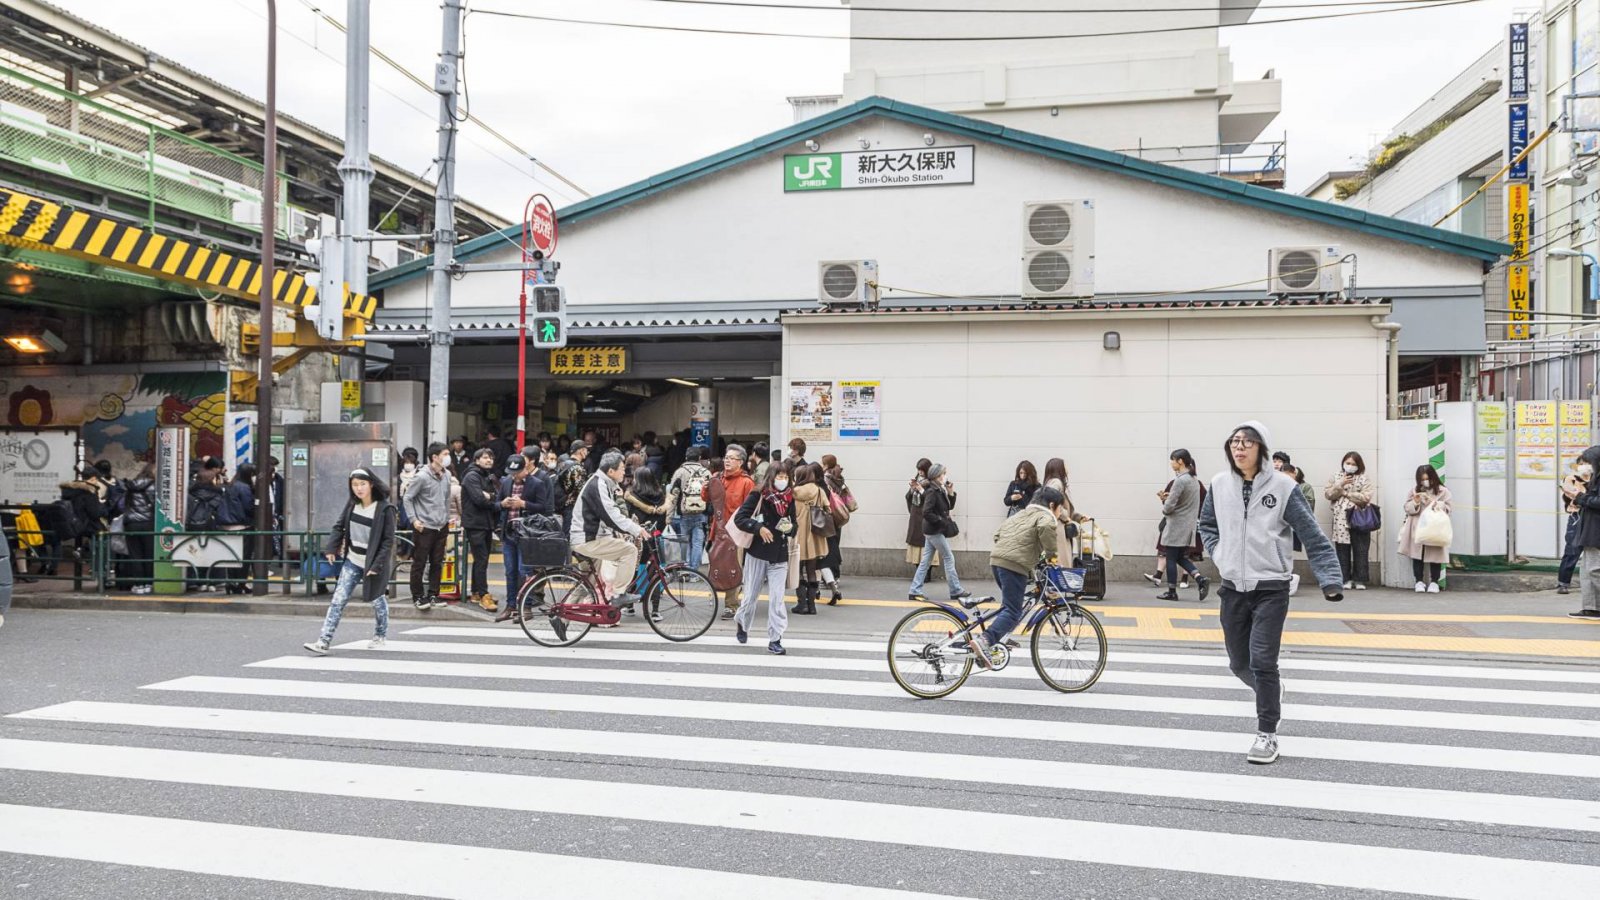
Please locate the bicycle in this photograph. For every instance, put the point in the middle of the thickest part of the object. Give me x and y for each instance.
(557, 607)
(930, 652)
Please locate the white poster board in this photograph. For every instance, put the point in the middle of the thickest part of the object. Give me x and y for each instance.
(34, 463)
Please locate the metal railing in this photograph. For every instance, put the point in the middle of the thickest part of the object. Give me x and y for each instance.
(47, 128)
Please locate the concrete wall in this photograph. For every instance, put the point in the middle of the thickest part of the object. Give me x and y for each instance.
(980, 394)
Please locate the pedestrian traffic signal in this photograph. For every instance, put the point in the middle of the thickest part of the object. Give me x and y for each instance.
(550, 317)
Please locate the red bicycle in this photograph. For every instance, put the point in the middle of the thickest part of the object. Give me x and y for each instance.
(557, 607)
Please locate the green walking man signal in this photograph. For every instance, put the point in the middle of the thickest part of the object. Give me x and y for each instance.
(550, 317)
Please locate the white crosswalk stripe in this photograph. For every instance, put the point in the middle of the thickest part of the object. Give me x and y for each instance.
(1385, 764)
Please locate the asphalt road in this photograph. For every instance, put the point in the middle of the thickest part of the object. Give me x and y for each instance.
(198, 756)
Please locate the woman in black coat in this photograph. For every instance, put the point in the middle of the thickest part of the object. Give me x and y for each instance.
(768, 516)
(363, 538)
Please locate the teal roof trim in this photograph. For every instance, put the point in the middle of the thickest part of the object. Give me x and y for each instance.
(1067, 151)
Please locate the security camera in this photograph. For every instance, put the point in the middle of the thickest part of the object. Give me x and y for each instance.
(538, 255)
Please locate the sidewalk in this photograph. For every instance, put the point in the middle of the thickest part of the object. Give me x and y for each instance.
(1471, 624)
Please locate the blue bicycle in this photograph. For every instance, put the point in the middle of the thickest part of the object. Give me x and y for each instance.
(930, 650)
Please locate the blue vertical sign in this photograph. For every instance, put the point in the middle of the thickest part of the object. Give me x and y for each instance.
(1517, 61)
(1517, 139)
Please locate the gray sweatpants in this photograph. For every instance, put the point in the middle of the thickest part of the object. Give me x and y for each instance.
(1589, 578)
(776, 578)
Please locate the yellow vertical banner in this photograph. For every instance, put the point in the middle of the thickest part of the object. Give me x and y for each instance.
(1517, 301)
(1517, 219)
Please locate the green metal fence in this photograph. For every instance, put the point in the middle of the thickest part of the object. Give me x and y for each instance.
(46, 128)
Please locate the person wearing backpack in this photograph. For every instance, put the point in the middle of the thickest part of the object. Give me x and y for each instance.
(81, 510)
(686, 497)
(139, 525)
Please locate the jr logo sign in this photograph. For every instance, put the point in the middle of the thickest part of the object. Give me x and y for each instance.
(818, 172)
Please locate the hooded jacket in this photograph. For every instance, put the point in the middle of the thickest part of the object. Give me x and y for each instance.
(1589, 504)
(1250, 537)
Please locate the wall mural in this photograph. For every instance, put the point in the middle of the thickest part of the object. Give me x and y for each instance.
(118, 414)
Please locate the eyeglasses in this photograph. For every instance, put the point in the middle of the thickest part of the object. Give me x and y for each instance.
(1242, 443)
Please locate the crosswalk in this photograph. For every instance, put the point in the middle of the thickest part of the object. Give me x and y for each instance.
(463, 761)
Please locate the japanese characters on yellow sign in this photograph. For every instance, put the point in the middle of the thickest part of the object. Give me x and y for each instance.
(589, 361)
(1518, 298)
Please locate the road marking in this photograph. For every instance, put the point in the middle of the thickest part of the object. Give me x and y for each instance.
(1561, 674)
(1179, 706)
(1204, 852)
(1531, 762)
(382, 864)
(1112, 675)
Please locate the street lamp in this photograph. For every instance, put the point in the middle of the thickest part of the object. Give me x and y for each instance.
(1594, 266)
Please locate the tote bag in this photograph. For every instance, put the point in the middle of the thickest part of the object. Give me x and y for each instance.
(1433, 528)
(741, 538)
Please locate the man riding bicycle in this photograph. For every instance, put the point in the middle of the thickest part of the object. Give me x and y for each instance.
(1023, 540)
(602, 532)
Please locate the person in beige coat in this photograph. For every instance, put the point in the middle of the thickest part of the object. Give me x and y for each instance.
(812, 542)
(1427, 562)
(1349, 490)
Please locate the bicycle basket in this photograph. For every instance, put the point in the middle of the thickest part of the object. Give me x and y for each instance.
(1064, 580)
(674, 549)
(538, 546)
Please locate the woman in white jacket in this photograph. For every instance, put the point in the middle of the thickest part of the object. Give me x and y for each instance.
(1427, 562)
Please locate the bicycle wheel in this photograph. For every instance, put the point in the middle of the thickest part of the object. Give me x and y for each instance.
(918, 658)
(1069, 649)
(685, 601)
(535, 603)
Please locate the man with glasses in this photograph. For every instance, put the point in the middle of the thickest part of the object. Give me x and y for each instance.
(1247, 522)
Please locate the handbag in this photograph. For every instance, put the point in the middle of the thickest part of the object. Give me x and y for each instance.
(821, 518)
(741, 538)
(793, 574)
(849, 498)
(119, 537)
(1433, 528)
(841, 512)
(1366, 518)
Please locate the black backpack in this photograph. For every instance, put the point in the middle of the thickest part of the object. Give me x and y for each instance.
(69, 520)
(204, 511)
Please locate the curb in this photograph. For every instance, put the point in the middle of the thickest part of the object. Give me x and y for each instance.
(250, 606)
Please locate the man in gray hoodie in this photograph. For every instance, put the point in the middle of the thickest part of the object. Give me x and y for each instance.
(1247, 522)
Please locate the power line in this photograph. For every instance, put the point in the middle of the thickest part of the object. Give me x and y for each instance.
(962, 38)
(469, 116)
(747, 4)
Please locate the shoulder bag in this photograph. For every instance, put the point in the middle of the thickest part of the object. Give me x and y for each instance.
(741, 538)
(1366, 518)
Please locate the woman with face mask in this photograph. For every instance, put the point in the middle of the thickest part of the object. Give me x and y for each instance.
(1588, 538)
(1573, 487)
(767, 513)
(938, 500)
(1350, 490)
(1427, 562)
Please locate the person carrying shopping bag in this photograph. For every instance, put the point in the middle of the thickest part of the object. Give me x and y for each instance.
(1425, 536)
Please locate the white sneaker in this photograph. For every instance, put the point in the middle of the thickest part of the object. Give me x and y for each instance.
(1360, 586)
(1265, 750)
(1433, 587)
(377, 643)
(1421, 588)
(1349, 585)
(319, 647)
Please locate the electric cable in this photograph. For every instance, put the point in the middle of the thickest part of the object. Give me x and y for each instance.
(1441, 4)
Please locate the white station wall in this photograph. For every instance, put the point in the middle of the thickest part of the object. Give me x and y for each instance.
(736, 236)
(979, 396)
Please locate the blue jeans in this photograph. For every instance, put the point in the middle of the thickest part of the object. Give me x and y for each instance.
(692, 526)
(516, 572)
(1012, 586)
(942, 544)
(1570, 552)
(349, 580)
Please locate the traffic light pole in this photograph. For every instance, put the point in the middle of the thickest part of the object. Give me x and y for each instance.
(355, 168)
(444, 225)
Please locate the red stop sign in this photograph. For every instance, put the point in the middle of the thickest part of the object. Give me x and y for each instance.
(542, 225)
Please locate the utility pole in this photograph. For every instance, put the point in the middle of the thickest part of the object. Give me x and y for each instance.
(444, 224)
(355, 168)
(269, 227)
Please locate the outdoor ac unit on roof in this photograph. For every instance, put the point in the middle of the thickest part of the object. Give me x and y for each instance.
(1304, 270)
(847, 282)
(1058, 249)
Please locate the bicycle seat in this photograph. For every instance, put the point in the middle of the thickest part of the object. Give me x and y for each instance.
(972, 602)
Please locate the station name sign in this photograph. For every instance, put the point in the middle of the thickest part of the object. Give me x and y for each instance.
(917, 167)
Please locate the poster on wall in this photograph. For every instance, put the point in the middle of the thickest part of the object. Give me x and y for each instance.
(35, 463)
(1577, 421)
(811, 410)
(1536, 440)
(117, 415)
(1491, 440)
(860, 410)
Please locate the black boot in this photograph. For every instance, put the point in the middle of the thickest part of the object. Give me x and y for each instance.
(1170, 593)
(801, 599)
(834, 600)
(812, 593)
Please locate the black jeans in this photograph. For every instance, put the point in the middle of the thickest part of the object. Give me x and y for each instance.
(478, 541)
(139, 567)
(427, 552)
(1353, 556)
(1434, 570)
(1252, 629)
(1570, 552)
(1178, 556)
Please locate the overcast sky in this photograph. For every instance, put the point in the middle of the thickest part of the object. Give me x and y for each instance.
(606, 106)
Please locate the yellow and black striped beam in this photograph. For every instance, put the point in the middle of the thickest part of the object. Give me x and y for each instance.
(38, 224)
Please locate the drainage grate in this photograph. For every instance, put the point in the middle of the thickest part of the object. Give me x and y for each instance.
(1427, 629)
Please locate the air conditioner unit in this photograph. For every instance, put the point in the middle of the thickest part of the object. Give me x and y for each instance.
(1058, 249)
(847, 282)
(1304, 270)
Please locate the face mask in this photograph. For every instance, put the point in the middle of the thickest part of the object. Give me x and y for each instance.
(1350, 468)
(781, 484)
(1585, 470)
